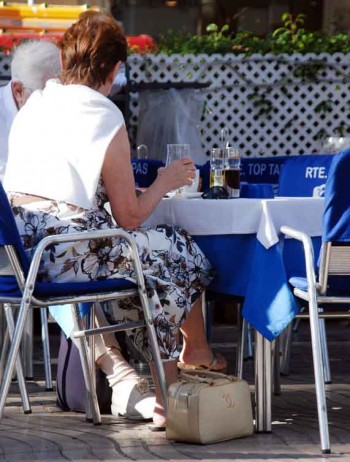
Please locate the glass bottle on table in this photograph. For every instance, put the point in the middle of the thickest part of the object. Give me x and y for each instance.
(217, 164)
(232, 172)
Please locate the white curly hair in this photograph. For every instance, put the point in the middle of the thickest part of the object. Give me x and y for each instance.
(34, 62)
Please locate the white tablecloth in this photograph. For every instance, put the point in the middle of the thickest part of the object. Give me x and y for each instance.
(263, 217)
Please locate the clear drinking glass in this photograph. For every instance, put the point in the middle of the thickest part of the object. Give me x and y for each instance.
(175, 152)
(217, 165)
(232, 172)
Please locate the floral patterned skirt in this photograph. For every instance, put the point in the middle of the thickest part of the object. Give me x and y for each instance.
(175, 269)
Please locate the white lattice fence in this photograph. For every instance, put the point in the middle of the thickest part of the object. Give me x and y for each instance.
(268, 103)
(5, 65)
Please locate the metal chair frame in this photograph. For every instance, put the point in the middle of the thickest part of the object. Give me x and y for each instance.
(334, 261)
(29, 300)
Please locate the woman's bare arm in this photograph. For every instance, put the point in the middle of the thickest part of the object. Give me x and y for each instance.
(128, 210)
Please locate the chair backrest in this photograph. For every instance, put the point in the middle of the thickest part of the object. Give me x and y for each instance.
(335, 252)
(9, 235)
(145, 171)
(262, 170)
(204, 173)
(304, 176)
(336, 218)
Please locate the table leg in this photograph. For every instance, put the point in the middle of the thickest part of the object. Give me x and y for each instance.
(263, 386)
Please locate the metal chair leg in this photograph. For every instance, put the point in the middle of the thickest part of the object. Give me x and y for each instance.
(14, 349)
(276, 367)
(241, 339)
(46, 349)
(91, 343)
(4, 349)
(324, 349)
(249, 342)
(87, 368)
(286, 348)
(152, 337)
(19, 369)
(319, 375)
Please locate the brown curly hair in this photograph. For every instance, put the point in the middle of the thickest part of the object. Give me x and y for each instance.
(91, 48)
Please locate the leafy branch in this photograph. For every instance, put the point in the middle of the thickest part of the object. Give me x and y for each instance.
(292, 37)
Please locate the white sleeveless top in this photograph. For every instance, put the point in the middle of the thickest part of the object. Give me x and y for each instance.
(58, 142)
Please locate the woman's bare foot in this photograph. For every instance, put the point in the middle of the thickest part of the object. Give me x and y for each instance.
(202, 359)
(195, 350)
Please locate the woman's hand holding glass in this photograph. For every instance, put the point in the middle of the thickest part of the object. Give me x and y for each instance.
(177, 174)
(181, 169)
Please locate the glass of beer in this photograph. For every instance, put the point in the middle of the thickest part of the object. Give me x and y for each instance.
(217, 164)
(232, 172)
(175, 152)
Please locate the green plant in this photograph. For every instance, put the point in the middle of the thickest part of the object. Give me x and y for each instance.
(292, 37)
(215, 41)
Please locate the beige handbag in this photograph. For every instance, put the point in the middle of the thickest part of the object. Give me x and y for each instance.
(207, 407)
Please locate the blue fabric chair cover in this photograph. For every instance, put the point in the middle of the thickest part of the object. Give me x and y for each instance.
(262, 169)
(336, 218)
(145, 171)
(204, 173)
(300, 175)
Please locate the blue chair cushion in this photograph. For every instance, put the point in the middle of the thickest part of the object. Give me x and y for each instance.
(299, 283)
(9, 287)
(338, 286)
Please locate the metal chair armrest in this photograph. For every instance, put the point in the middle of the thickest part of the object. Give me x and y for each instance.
(81, 236)
(309, 256)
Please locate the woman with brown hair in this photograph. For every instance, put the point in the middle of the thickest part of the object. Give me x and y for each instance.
(69, 154)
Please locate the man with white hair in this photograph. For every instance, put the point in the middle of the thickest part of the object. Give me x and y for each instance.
(33, 63)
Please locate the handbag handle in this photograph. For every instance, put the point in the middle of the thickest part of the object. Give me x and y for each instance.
(195, 376)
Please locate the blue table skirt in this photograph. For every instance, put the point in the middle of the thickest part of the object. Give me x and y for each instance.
(231, 257)
(245, 268)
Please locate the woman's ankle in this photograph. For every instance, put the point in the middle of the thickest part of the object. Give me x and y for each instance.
(116, 368)
(198, 355)
(171, 373)
(159, 415)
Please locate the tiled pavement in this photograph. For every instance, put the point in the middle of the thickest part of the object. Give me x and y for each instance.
(52, 435)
